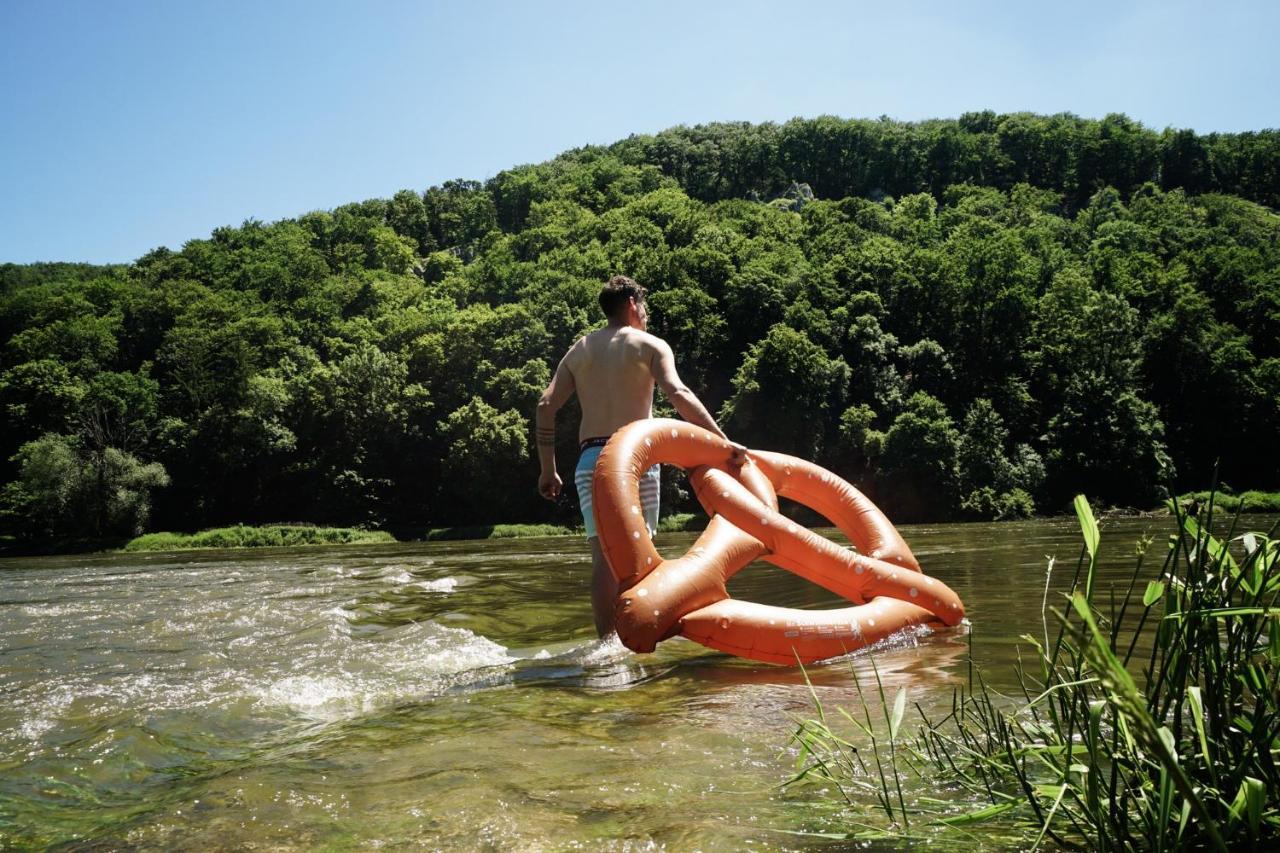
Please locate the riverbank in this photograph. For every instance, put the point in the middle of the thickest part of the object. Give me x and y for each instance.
(287, 535)
(267, 536)
(284, 535)
(496, 531)
(1246, 502)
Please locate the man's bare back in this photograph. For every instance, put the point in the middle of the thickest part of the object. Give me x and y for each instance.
(612, 370)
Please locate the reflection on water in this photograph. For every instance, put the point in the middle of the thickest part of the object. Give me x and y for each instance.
(444, 694)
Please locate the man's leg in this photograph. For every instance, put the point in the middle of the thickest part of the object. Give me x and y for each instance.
(604, 589)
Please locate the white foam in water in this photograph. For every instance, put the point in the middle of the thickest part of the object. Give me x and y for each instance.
(439, 585)
(308, 693)
(411, 663)
(447, 651)
(33, 728)
(607, 650)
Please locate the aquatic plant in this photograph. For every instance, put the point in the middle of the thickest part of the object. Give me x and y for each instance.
(1147, 721)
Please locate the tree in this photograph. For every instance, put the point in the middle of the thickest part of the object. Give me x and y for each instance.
(917, 473)
(1105, 440)
(992, 482)
(487, 453)
(64, 490)
(783, 393)
(407, 216)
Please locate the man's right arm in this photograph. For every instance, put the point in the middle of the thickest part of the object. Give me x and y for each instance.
(556, 394)
(663, 366)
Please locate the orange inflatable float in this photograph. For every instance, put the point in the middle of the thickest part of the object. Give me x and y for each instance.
(660, 598)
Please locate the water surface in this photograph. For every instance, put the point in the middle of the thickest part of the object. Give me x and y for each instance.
(448, 695)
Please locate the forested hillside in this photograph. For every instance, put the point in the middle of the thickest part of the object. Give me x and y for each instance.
(970, 318)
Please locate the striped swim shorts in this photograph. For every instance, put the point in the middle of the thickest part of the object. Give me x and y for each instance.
(590, 451)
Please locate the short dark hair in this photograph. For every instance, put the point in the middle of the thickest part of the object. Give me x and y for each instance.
(614, 295)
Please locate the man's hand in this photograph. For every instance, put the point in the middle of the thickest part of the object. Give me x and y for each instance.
(549, 485)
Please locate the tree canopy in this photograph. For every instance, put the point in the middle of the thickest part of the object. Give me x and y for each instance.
(968, 318)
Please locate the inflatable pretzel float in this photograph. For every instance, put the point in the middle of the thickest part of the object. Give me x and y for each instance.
(661, 598)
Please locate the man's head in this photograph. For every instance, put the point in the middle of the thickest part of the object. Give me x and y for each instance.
(622, 300)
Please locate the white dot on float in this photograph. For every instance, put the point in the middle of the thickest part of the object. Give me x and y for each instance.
(857, 570)
(871, 622)
(914, 592)
(765, 522)
(635, 510)
(648, 442)
(635, 534)
(791, 528)
(642, 593)
(656, 612)
(648, 561)
(674, 434)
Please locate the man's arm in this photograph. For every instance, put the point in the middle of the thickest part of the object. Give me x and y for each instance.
(663, 366)
(555, 396)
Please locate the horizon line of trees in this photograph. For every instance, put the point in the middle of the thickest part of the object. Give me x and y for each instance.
(973, 318)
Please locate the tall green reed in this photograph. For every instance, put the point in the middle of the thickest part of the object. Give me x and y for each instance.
(1148, 720)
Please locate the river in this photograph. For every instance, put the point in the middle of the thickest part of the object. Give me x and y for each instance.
(447, 695)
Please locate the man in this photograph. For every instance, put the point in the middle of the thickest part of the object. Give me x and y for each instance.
(613, 370)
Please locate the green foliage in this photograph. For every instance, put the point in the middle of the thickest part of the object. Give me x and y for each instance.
(270, 536)
(917, 473)
(64, 489)
(985, 502)
(496, 531)
(1078, 301)
(1095, 755)
(682, 521)
(1251, 501)
(1108, 438)
(486, 461)
(995, 484)
(783, 392)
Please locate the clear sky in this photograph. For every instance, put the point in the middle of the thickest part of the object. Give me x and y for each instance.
(128, 125)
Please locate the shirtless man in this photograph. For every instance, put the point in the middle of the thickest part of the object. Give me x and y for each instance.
(613, 370)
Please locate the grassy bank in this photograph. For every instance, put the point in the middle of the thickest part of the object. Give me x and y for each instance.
(1247, 502)
(1107, 748)
(244, 536)
(496, 531)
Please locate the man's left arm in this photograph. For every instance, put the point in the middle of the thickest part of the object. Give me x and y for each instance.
(553, 398)
(663, 368)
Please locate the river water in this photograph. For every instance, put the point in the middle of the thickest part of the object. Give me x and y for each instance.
(447, 695)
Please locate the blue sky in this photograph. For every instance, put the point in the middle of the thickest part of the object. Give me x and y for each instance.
(129, 125)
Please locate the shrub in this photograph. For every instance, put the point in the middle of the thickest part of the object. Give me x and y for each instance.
(244, 536)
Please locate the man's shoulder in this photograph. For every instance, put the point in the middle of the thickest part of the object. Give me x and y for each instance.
(651, 343)
(643, 338)
(581, 343)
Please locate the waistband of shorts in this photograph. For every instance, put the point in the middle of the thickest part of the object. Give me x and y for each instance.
(593, 442)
